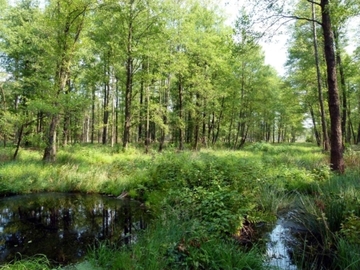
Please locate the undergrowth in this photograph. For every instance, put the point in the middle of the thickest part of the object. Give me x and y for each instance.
(200, 200)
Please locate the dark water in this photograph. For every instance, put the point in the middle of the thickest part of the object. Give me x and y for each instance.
(63, 226)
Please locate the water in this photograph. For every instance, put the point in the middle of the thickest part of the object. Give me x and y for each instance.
(278, 249)
(63, 226)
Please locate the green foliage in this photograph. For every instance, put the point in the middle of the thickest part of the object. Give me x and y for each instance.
(172, 243)
(219, 210)
(347, 255)
(350, 228)
(199, 199)
(38, 262)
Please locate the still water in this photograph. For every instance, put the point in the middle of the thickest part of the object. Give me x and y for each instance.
(278, 249)
(63, 226)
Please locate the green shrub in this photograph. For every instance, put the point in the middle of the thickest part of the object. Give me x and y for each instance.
(350, 228)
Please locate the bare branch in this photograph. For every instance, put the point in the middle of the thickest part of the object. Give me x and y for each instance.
(294, 17)
(313, 2)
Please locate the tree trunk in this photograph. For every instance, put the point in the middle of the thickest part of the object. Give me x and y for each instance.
(197, 122)
(128, 97)
(129, 79)
(18, 141)
(140, 126)
(319, 84)
(181, 129)
(215, 138)
(336, 153)
(165, 106)
(93, 115)
(147, 129)
(316, 132)
(343, 86)
(50, 150)
(4, 108)
(117, 105)
(106, 98)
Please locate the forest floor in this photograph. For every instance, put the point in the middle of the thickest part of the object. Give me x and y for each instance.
(206, 205)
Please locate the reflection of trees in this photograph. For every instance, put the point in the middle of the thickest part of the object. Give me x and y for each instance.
(62, 226)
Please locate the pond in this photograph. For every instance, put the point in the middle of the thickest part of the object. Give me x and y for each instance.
(62, 226)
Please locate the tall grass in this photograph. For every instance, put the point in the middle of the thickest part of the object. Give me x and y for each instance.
(38, 262)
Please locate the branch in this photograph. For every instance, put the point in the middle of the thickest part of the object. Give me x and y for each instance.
(300, 18)
(313, 2)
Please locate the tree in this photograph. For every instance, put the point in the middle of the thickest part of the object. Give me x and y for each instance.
(336, 152)
(67, 23)
(282, 13)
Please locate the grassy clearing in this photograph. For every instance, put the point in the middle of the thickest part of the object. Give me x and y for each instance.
(204, 200)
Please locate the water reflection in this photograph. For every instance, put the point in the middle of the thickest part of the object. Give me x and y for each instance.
(62, 226)
(278, 250)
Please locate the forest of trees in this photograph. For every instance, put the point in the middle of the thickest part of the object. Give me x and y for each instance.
(174, 72)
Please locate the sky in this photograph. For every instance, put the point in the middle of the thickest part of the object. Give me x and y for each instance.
(275, 50)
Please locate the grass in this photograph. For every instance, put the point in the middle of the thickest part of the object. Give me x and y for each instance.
(202, 199)
(38, 262)
(172, 243)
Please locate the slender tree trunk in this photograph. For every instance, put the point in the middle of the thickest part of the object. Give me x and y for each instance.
(66, 128)
(336, 153)
(106, 113)
(316, 132)
(50, 150)
(204, 138)
(18, 141)
(319, 84)
(181, 129)
(147, 130)
(117, 105)
(128, 97)
(197, 122)
(211, 126)
(129, 79)
(165, 106)
(140, 127)
(86, 129)
(66, 123)
(106, 98)
(215, 138)
(349, 124)
(189, 129)
(244, 136)
(343, 86)
(5, 109)
(231, 124)
(93, 115)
